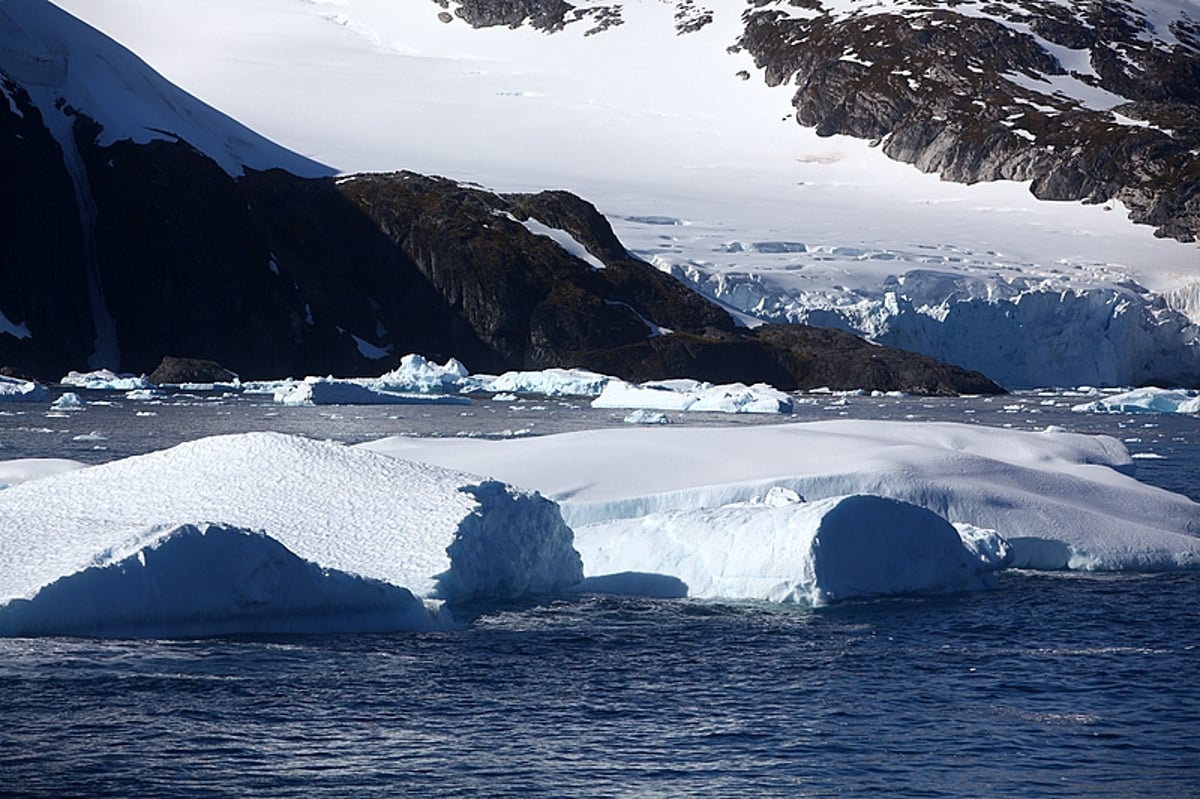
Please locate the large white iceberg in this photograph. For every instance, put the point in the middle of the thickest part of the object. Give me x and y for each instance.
(212, 580)
(1145, 400)
(692, 395)
(439, 533)
(1061, 500)
(548, 382)
(17, 390)
(417, 373)
(105, 380)
(350, 391)
(805, 553)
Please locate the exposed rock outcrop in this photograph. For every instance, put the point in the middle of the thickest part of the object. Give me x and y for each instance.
(980, 92)
(1094, 101)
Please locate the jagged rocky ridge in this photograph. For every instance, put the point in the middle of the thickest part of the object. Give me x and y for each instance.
(990, 90)
(1092, 101)
(118, 253)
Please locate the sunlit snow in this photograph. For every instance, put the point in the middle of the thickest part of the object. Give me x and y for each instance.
(1060, 500)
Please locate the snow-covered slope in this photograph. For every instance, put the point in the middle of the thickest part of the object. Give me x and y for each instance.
(702, 172)
(66, 69)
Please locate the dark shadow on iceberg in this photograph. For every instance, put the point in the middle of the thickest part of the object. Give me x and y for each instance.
(211, 580)
(514, 544)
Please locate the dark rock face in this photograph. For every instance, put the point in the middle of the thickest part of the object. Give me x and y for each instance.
(970, 96)
(552, 16)
(174, 370)
(41, 276)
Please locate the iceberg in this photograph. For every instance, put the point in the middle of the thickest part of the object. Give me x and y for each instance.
(204, 580)
(547, 382)
(1060, 500)
(13, 389)
(419, 374)
(348, 391)
(691, 395)
(1145, 400)
(105, 380)
(810, 554)
(441, 534)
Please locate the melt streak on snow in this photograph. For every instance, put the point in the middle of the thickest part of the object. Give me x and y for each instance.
(703, 174)
(1060, 500)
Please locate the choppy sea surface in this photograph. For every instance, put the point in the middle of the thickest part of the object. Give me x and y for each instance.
(1083, 685)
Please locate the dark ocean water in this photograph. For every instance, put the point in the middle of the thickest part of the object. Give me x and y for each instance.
(1051, 685)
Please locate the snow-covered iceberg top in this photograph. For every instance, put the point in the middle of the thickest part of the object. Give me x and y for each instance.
(692, 395)
(416, 373)
(1145, 400)
(439, 533)
(1060, 500)
(14, 389)
(106, 380)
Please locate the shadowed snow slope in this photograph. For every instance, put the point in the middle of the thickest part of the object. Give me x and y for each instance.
(67, 68)
(1073, 491)
(341, 508)
(212, 580)
(806, 553)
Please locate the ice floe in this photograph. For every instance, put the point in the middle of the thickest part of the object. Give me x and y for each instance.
(14, 389)
(692, 395)
(1145, 400)
(439, 533)
(334, 391)
(106, 380)
(1060, 500)
(418, 380)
